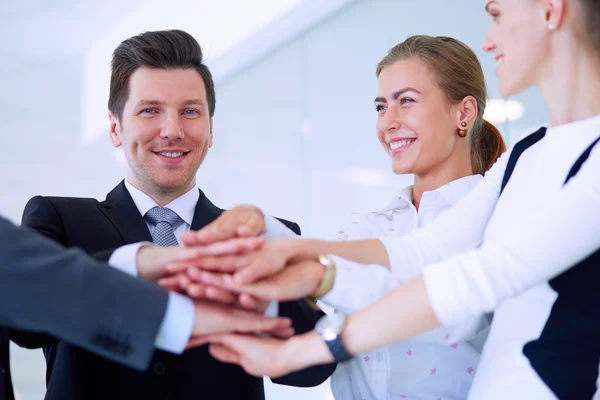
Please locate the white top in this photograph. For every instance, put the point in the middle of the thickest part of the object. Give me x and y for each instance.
(439, 364)
(535, 231)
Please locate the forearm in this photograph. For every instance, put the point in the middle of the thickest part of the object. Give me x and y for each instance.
(79, 302)
(369, 251)
(399, 315)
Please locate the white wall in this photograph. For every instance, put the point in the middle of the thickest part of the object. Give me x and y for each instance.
(325, 80)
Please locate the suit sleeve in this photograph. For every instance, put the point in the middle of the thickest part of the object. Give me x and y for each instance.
(64, 293)
(39, 214)
(304, 318)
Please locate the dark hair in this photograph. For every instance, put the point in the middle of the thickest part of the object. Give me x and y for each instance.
(589, 26)
(172, 49)
(459, 74)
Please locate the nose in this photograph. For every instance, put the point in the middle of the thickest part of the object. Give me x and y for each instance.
(172, 128)
(487, 45)
(390, 121)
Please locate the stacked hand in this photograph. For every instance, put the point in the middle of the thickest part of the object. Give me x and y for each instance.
(233, 274)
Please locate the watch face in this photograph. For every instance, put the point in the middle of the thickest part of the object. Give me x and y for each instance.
(330, 326)
(325, 261)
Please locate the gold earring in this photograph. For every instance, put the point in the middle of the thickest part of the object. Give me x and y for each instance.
(462, 132)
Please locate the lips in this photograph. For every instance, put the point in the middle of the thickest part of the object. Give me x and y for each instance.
(171, 156)
(499, 60)
(398, 145)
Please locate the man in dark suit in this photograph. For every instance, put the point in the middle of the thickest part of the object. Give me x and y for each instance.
(161, 106)
(66, 294)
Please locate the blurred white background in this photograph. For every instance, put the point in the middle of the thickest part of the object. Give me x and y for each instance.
(294, 124)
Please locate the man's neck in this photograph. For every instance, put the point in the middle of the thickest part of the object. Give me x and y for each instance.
(163, 196)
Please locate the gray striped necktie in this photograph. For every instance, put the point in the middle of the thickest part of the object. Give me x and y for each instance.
(165, 222)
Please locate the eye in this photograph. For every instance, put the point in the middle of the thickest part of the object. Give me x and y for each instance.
(148, 111)
(494, 14)
(191, 112)
(406, 100)
(379, 107)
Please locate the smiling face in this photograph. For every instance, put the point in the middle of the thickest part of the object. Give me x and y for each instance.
(416, 125)
(165, 130)
(518, 38)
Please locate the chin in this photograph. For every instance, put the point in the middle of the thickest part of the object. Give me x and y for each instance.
(401, 169)
(510, 87)
(170, 184)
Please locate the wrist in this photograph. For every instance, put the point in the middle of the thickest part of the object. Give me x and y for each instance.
(327, 277)
(140, 259)
(302, 250)
(302, 351)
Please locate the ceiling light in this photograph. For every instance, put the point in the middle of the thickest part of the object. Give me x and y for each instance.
(365, 176)
(499, 111)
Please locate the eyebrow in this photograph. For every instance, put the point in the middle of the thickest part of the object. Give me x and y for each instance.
(397, 94)
(199, 102)
(188, 102)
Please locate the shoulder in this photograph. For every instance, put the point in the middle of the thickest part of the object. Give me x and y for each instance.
(53, 206)
(62, 202)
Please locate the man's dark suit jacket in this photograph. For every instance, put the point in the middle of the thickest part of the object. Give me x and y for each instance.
(67, 294)
(73, 374)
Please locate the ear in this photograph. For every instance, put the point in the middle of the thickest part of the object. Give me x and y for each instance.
(211, 133)
(466, 111)
(114, 130)
(555, 12)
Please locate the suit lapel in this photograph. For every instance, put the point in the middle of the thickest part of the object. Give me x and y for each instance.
(123, 213)
(205, 213)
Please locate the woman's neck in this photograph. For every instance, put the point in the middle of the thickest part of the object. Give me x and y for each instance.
(570, 82)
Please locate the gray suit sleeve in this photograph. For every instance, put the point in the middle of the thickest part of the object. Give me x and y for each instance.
(64, 293)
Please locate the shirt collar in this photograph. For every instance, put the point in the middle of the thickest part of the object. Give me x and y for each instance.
(184, 205)
(452, 192)
(400, 201)
(457, 189)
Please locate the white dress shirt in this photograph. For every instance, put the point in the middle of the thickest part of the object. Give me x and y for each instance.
(439, 364)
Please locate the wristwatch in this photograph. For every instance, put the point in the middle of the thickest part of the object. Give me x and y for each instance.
(326, 283)
(330, 328)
